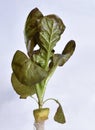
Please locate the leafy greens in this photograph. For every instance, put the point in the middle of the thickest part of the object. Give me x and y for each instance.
(31, 73)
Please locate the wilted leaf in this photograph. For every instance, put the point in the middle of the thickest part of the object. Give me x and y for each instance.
(31, 29)
(26, 71)
(21, 89)
(59, 115)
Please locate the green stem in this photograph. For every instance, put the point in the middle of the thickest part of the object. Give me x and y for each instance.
(47, 59)
(51, 99)
(40, 91)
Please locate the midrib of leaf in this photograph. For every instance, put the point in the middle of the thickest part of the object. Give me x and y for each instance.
(49, 47)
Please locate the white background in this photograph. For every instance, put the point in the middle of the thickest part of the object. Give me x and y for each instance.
(73, 84)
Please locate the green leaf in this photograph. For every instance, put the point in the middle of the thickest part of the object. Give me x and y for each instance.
(31, 30)
(61, 59)
(26, 71)
(39, 57)
(58, 23)
(69, 49)
(21, 89)
(50, 30)
(42, 58)
(59, 115)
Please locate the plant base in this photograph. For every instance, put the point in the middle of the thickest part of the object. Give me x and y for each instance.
(40, 116)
